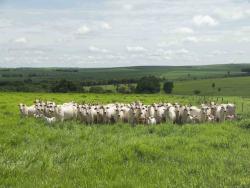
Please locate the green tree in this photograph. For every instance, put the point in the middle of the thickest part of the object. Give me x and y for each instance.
(168, 87)
(149, 84)
(213, 85)
(197, 92)
(64, 86)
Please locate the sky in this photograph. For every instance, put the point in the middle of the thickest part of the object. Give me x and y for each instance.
(117, 33)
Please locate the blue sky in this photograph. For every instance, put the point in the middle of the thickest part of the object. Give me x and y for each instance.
(111, 33)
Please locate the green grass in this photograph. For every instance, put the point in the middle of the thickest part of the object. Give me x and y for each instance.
(34, 154)
(237, 86)
(79, 74)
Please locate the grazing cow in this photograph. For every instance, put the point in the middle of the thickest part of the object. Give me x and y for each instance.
(184, 114)
(134, 113)
(27, 110)
(230, 117)
(160, 114)
(198, 113)
(220, 115)
(211, 118)
(109, 114)
(150, 111)
(121, 115)
(191, 119)
(49, 120)
(132, 116)
(172, 114)
(151, 121)
(142, 115)
(230, 108)
(65, 112)
(82, 113)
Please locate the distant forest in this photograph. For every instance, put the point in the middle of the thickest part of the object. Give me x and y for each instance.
(124, 80)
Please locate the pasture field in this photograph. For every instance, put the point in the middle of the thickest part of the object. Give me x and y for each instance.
(34, 154)
(79, 74)
(45, 79)
(235, 86)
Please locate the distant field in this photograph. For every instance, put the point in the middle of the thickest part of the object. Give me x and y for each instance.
(45, 79)
(76, 74)
(34, 154)
(237, 86)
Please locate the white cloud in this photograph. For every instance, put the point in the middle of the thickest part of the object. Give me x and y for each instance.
(136, 49)
(95, 49)
(247, 40)
(184, 30)
(219, 52)
(4, 23)
(91, 57)
(21, 40)
(248, 12)
(201, 20)
(106, 26)
(237, 13)
(191, 39)
(169, 52)
(83, 30)
(116, 31)
(128, 7)
(182, 51)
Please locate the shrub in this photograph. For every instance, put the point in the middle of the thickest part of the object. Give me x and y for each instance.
(213, 85)
(132, 88)
(109, 91)
(96, 89)
(197, 92)
(126, 89)
(123, 89)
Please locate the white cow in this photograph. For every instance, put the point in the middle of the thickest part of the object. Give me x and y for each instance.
(160, 114)
(27, 110)
(220, 114)
(65, 112)
(151, 121)
(230, 108)
(198, 113)
(109, 114)
(49, 120)
(172, 114)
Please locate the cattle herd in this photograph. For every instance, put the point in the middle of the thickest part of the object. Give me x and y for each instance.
(134, 113)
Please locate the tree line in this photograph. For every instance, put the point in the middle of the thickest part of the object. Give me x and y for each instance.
(148, 84)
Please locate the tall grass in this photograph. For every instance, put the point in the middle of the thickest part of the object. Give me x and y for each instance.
(34, 154)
